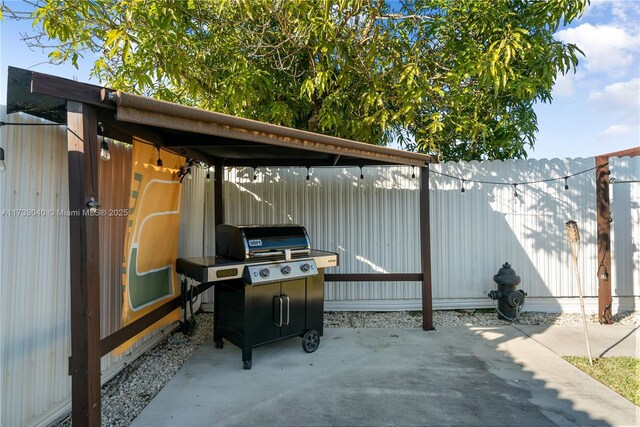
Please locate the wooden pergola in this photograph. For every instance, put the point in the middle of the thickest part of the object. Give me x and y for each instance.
(213, 138)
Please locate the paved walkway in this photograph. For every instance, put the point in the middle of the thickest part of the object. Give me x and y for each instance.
(390, 377)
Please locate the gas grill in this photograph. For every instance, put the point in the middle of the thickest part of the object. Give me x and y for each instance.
(269, 285)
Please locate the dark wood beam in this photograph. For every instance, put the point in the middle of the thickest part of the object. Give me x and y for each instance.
(70, 90)
(218, 192)
(630, 152)
(83, 152)
(603, 211)
(425, 251)
(129, 331)
(302, 162)
(375, 277)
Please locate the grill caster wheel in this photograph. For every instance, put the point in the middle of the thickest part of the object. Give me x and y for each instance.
(219, 343)
(310, 341)
(246, 364)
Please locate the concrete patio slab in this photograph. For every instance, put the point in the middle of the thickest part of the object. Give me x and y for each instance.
(388, 377)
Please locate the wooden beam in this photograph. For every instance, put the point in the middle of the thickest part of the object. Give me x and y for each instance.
(630, 152)
(603, 212)
(329, 161)
(425, 251)
(70, 90)
(85, 275)
(218, 192)
(129, 331)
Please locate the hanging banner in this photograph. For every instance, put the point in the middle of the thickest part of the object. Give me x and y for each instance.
(151, 245)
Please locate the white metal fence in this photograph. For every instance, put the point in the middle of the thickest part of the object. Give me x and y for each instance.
(372, 223)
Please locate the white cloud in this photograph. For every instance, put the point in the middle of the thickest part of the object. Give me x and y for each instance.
(618, 130)
(620, 96)
(563, 85)
(625, 12)
(608, 49)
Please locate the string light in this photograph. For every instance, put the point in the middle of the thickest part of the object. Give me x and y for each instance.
(159, 162)
(361, 174)
(208, 178)
(515, 184)
(308, 173)
(462, 186)
(602, 272)
(104, 147)
(255, 173)
(185, 170)
(413, 173)
(3, 165)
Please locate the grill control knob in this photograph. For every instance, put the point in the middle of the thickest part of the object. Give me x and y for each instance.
(265, 272)
(305, 267)
(286, 269)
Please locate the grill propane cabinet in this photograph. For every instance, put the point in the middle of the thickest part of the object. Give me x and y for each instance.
(268, 282)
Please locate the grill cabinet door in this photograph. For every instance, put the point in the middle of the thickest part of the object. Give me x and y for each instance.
(265, 316)
(294, 298)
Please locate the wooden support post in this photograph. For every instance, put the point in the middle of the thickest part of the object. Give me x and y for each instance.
(218, 176)
(83, 152)
(425, 251)
(603, 211)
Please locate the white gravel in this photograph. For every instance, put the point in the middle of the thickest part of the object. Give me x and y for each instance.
(126, 394)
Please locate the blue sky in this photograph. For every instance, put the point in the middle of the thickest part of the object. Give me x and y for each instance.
(594, 111)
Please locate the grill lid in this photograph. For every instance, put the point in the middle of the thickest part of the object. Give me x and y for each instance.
(255, 241)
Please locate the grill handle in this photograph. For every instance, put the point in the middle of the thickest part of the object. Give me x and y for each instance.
(287, 298)
(276, 253)
(279, 324)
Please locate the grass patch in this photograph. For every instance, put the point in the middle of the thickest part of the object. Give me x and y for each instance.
(621, 374)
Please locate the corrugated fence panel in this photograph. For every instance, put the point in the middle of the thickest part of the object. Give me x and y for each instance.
(34, 262)
(373, 225)
(372, 222)
(625, 211)
(474, 232)
(34, 293)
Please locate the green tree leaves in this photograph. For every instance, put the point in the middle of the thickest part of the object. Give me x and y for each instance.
(453, 78)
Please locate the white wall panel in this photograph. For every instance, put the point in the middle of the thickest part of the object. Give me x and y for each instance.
(625, 211)
(474, 232)
(372, 223)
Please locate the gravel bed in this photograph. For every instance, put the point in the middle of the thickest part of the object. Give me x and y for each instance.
(481, 317)
(126, 394)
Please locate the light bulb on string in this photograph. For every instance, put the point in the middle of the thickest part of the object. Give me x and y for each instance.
(159, 162)
(3, 165)
(361, 174)
(462, 186)
(566, 184)
(308, 173)
(208, 178)
(515, 190)
(104, 147)
(604, 274)
(413, 172)
(255, 173)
